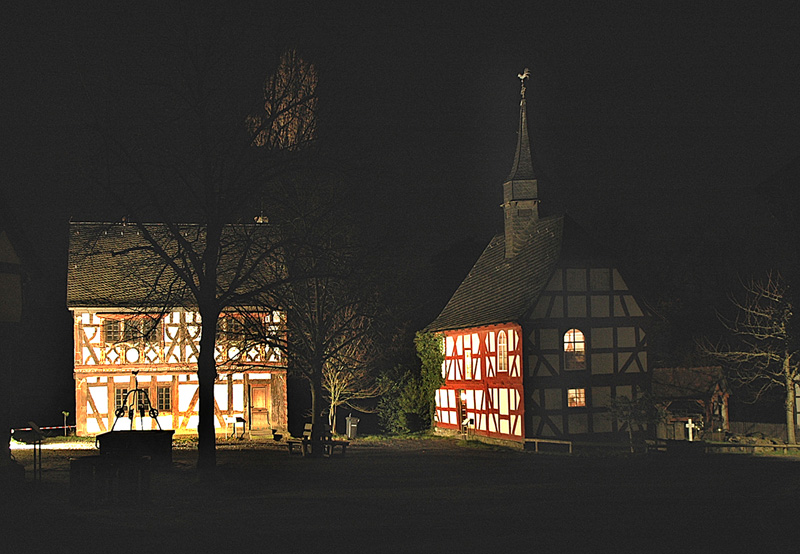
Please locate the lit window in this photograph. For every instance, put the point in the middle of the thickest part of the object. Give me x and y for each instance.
(164, 399)
(576, 398)
(502, 352)
(574, 350)
(467, 364)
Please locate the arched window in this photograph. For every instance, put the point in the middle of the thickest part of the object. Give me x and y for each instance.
(574, 350)
(502, 352)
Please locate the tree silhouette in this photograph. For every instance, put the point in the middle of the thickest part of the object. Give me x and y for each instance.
(761, 350)
(196, 158)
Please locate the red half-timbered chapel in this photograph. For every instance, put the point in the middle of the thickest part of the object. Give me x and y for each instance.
(543, 333)
(125, 338)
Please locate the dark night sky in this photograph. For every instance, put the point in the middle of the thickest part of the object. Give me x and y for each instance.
(646, 119)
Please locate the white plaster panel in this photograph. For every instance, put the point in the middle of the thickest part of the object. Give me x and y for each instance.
(185, 393)
(503, 408)
(576, 306)
(601, 305)
(601, 423)
(601, 397)
(578, 423)
(600, 279)
(602, 363)
(602, 337)
(633, 306)
(553, 399)
(619, 283)
(100, 397)
(576, 279)
(221, 396)
(626, 337)
(549, 339)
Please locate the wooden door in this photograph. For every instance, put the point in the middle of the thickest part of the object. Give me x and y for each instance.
(259, 406)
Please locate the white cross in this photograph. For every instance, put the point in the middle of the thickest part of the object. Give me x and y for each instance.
(691, 427)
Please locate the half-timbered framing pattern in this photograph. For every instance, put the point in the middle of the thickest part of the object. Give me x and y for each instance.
(543, 333)
(251, 383)
(570, 392)
(124, 338)
(483, 382)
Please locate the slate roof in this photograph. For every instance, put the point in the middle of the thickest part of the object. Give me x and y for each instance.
(522, 168)
(499, 289)
(111, 265)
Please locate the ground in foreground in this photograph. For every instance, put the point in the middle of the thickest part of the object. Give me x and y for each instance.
(425, 496)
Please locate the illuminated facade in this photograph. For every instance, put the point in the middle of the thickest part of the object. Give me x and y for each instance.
(543, 333)
(118, 347)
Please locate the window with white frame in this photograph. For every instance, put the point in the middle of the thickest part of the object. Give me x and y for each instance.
(502, 351)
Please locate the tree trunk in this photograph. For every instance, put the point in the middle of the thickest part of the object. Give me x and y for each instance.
(206, 362)
(789, 403)
(206, 376)
(317, 421)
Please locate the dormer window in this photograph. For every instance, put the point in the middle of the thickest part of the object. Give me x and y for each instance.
(574, 350)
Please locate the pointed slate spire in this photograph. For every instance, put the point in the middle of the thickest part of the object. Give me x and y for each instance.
(520, 190)
(523, 167)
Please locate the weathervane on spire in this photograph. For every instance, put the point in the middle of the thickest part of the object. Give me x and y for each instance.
(522, 76)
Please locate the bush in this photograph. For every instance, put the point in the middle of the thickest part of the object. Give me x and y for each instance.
(408, 404)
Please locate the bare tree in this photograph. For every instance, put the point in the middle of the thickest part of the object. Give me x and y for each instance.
(200, 156)
(348, 374)
(762, 350)
(326, 295)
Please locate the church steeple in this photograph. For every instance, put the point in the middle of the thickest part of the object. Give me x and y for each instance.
(520, 190)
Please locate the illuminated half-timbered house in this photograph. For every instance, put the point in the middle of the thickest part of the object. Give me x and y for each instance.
(543, 333)
(128, 334)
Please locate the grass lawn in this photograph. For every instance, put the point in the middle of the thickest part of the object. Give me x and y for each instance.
(427, 495)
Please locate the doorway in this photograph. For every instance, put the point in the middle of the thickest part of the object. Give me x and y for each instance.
(259, 406)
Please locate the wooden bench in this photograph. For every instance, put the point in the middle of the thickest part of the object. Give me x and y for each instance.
(327, 442)
(301, 443)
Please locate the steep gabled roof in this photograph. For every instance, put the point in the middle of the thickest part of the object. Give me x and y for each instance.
(500, 289)
(111, 265)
